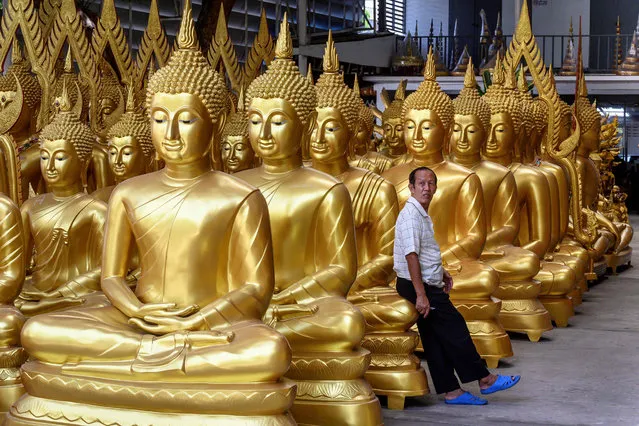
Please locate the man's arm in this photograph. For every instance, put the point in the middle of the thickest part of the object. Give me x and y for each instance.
(408, 234)
(421, 303)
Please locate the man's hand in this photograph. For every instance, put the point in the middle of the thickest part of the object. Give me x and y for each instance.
(448, 282)
(422, 305)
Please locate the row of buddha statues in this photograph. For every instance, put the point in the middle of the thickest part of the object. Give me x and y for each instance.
(194, 255)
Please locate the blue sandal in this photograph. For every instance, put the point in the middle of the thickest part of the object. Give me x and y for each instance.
(502, 383)
(466, 398)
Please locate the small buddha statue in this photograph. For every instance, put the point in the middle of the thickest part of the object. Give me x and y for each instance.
(314, 247)
(590, 126)
(236, 151)
(361, 155)
(63, 227)
(393, 128)
(428, 118)
(192, 328)
(533, 195)
(521, 311)
(388, 315)
(129, 147)
(20, 95)
(12, 267)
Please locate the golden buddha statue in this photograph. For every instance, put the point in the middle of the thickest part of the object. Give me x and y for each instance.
(129, 147)
(394, 370)
(392, 127)
(360, 142)
(617, 234)
(20, 95)
(428, 118)
(529, 150)
(12, 267)
(533, 195)
(236, 151)
(314, 247)
(188, 346)
(575, 257)
(520, 309)
(64, 227)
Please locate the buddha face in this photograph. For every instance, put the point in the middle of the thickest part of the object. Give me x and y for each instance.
(237, 154)
(424, 132)
(181, 128)
(330, 137)
(126, 157)
(393, 132)
(361, 140)
(275, 130)
(589, 141)
(468, 135)
(59, 163)
(501, 137)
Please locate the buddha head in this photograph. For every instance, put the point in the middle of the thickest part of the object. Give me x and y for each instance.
(337, 111)
(80, 96)
(361, 142)
(237, 153)
(428, 115)
(129, 145)
(472, 118)
(589, 120)
(111, 97)
(505, 111)
(392, 120)
(19, 95)
(66, 145)
(187, 102)
(281, 105)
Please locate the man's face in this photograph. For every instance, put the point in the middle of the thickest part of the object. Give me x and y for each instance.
(424, 188)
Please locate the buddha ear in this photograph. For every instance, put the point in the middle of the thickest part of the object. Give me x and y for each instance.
(311, 122)
(221, 121)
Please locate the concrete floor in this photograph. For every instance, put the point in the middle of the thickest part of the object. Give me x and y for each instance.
(585, 374)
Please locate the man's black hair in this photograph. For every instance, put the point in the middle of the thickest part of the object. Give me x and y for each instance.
(411, 177)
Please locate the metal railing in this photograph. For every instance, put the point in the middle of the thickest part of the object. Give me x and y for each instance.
(599, 51)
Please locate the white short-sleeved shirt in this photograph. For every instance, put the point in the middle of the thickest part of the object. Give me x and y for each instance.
(414, 234)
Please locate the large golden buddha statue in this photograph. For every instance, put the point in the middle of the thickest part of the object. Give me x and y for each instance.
(393, 129)
(531, 142)
(129, 147)
(236, 151)
(428, 118)
(314, 248)
(520, 309)
(533, 196)
(64, 227)
(20, 95)
(12, 267)
(360, 154)
(394, 370)
(618, 234)
(188, 346)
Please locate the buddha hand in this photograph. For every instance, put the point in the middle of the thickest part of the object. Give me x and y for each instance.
(278, 313)
(161, 324)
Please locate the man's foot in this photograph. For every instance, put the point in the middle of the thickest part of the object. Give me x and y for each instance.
(466, 398)
(500, 384)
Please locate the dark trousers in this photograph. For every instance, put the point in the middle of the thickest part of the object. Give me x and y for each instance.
(446, 340)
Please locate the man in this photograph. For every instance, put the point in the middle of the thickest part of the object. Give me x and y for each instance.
(422, 280)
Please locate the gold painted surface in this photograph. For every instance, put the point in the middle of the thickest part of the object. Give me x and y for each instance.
(521, 311)
(314, 249)
(236, 153)
(388, 315)
(189, 336)
(428, 120)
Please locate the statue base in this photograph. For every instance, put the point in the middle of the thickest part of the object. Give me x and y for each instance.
(394, 371)
(331, 390)
(11, 388)
(575, 296)
(489, 337)
(613, 261)
(560, 309)
(599, 269)
(8, 395)
(521, 311)
(55, 397)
